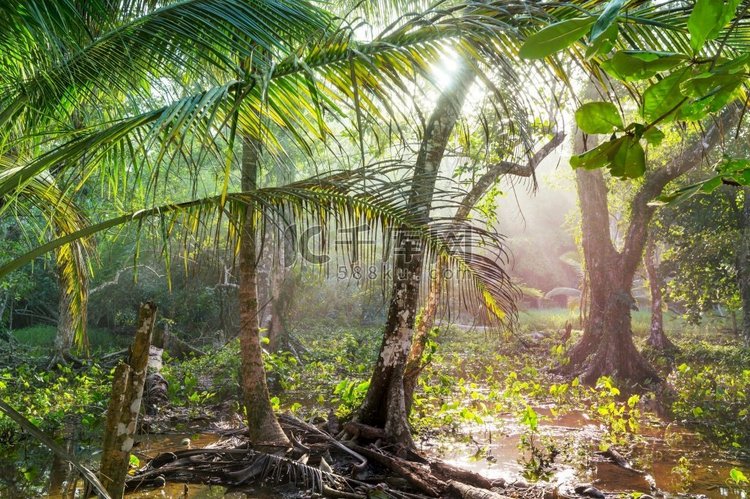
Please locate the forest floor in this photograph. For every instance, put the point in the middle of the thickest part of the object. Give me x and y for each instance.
(487, 402)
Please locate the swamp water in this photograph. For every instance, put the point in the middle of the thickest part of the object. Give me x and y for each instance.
(491, 449)
(673, 459)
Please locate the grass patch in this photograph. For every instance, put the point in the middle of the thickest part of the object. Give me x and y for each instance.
(41, 338)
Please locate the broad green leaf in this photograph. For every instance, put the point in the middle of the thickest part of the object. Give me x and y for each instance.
(640, 65)
(598, 157)
(738, 64)
(710, 93)
(680, 195)
(530, 418)
(662, 99)
(598, 117)
(629, 159)
(732, 165)
(604, 43)
(707, 20)
(653, 136)
(705, 84)
(555, 37)
(737, 476)
(606, 19)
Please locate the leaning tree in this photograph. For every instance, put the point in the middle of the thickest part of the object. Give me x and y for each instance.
(149, 86)
(683, 64)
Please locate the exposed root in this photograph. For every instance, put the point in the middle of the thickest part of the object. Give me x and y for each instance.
(355, 472)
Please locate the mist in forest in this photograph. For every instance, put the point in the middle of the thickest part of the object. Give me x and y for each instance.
(539, 225)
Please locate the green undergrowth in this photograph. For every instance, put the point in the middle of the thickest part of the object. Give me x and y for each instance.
(41, 339)
(328, 370)
(51, 397)
(712, 391)
(473, 380)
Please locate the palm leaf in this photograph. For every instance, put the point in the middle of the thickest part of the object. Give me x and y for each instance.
(340, 201)
(295, 93)
(61, 218)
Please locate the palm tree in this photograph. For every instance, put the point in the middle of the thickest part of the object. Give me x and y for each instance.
(150, 79)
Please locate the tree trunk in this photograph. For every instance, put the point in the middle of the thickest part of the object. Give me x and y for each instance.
(263, 428)
(606, 347)
(657, 339)
(65, 329)
(69, 320)
(385, 403)
(743, 266)
(124, 406)
(424, 324)
(426, 320)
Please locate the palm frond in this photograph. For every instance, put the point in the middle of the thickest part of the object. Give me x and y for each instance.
(343, 201)
(298, 91)
(239, 466)
(61, 218)
(206, 38)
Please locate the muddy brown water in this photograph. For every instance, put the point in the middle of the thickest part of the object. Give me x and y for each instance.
(492, 450)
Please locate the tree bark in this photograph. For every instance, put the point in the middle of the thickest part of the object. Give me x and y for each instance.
(385, 402)
(124, 406)
(65, 329)
(426, 320)
(263, 428)
(743, 265)
(278, 339)
(606, 347)
(68, 319)
(657, 338)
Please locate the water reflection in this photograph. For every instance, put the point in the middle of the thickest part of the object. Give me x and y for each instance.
(676, 460)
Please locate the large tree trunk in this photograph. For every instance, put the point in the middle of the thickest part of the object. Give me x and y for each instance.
(606, 347)
(426, 320)
(385, 403)
(657, 339)
(263, 428)
(743, 266)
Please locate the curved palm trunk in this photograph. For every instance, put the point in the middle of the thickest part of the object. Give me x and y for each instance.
(385, 402)
(65, 329)
(657, 339)
(426, 320)
(743, 266)
(68, 319)
(263, 428)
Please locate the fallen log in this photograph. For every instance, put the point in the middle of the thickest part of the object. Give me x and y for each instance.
(468, 492)
(448, 472)
(417, 476)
